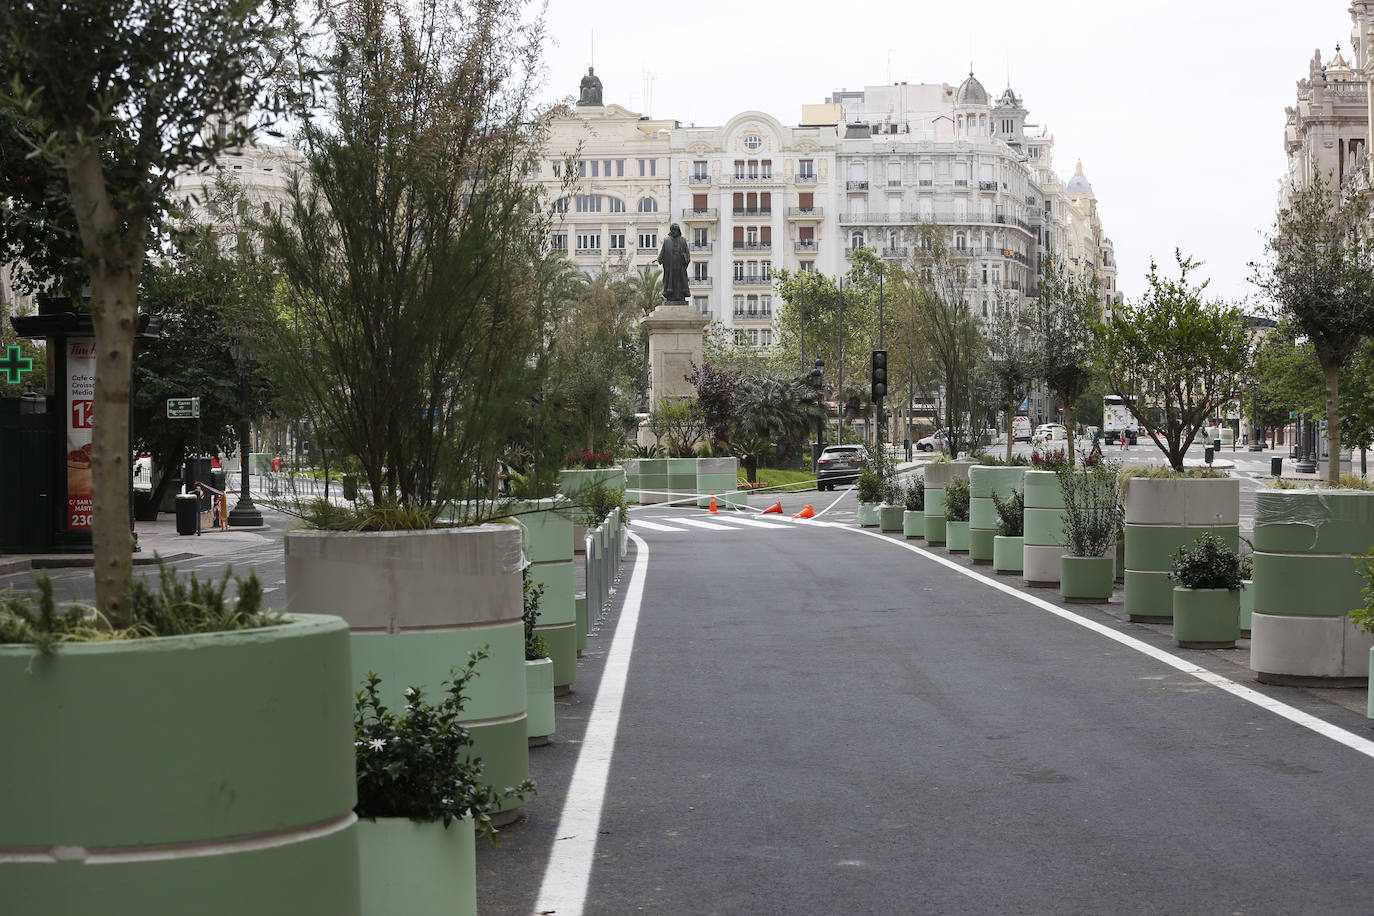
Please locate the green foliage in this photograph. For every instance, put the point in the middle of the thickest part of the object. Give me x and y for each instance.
(1009, 362)
(1092, 507)
(536, 646)
(957, 500)
(1173, 357)
(420, 765)
(1062, 319)
(1209, 563)
(651, 451)
(681, 423)
(881, 463)
(322, 515)
(532, 486)
(1159, 472)
(1363, 617)
(597, 502)
(1011, 514)
(175, 607)
(870, 487)
(915, 496)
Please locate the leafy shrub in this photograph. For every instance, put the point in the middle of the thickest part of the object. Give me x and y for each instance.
(881, 463)
(323, 515)
(530, 486)
(1011, 514)
(1209, 563)
(1050, 460)
(653, 450)
(870, 487)
(587, 458)
(1092, 507)
(419, 764)
(915, 496)
(536, 646)
(176, 607)
(1363, 617)
(956, 500)
(1164, 472)
(597, 502)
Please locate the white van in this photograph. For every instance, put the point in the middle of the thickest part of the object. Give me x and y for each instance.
(1021, 429)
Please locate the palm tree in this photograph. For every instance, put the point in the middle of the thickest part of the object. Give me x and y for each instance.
(647, 283)
(770, 408)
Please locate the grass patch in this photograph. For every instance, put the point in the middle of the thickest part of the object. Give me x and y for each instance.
(786, 481)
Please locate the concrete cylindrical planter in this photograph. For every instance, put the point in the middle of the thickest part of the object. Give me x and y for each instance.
(417, 603)
(539, 720)
(1086, 579)
(417, 868)
(653, 480)
(956, 537)
(719, 477)
(937, 475)
(983, 482)
(890, 517)
(914, 523)
(144, 775)
(1162, 515)
(1247, 606)
(682, 481)
(1306, 582)
(1007, 554)
(1044, 528)
(573, 481)
(548, 547)
(583, 626)
(868, 515)
(1206, 618)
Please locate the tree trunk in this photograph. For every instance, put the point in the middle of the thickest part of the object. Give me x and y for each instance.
(1011, 434)
(1333, 423)
(1068, 429)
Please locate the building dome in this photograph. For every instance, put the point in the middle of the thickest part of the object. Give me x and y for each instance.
(971, 92)
(1078, 185)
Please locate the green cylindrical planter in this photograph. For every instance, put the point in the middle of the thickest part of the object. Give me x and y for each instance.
(1162, 515)
(983, 482)
(868, 515)
(1007, 554)
(1307, 543)
(956, 537)
(539, 719)
(717, 477)
(572, 482)
(914, 523)
(682, 481)
(1086, 579)
(937, 475)
(420, 869)
(1043, 538)
(583, 627)
(653, 481)
(140, 774)
(1206, 618)
(418, 602)
(1247, 606)
(890, 518)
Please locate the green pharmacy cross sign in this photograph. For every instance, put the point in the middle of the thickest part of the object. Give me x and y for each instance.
(13, 366)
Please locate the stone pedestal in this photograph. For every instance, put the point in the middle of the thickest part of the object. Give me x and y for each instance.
(675, 333)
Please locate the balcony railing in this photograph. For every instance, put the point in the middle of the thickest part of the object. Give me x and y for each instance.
(804, 245)
(805, 212)
(754, 179)
(751, 246)
(759, 279)
(894, 182)
(702, 248)
(987, 186)
(697, 178)
(754, 313)
(708, 213)
(856, 185)
(596, 250)
(752, 211)
(699, 282)
(899, 251)
(804, 179)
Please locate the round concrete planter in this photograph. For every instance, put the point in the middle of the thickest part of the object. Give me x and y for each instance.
(682, 481)
(984, 481)
(937, 475)
(956, 537)
(1007, 554)
(1086, 580)
(417, 868)
(1162, 515)
(890, 517)
(539, 721)
(1306, 582)
(868, 515)
(719, 477)
(208, 774)
(1206, 618)
(418, 602)
(1247, 606)
(914, 523)
(1044, 528)
(572, 482)
(652, 477)
(548, 547)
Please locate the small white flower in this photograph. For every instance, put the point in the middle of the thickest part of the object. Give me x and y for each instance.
(409, 707)
(357, 744)
(377, 744)
(410, 692)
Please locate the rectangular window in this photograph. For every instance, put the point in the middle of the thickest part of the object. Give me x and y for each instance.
(739, 169)
(894, 174)
(699, 202)
(699, 269)
(606, 166)
(648, 241)
(766, 269)
(806, 266)
(560, 241)
(589, 203)
(739, 306)
(582, 170)
(767, 166)
(739, 270)
(961, 174)
(997, 275)
(699, 238)
(699, 170)
(620, 168)
(926, 174)
(806, 168)
(617, 241)
(557, 170)
(589, 241)
(596, 168)
(752, 306)
(753, 337)
(806, 201)
(703, 303)
(648, 168)
(766, 202)
(766, 305)
(766, 337)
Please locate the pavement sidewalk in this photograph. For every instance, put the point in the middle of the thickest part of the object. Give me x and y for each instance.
(155, 539)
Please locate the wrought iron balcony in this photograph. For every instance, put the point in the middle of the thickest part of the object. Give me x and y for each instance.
(699, 282)
(710, 213)
(751, 246)
(697, 178)
(759, 279)
(804, 179)
(704, 248)
(805, 212)
(856, 185)
(752, 211)
(804, 245)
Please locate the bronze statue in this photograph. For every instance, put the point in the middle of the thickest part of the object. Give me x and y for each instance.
(591, 89)
(674, 256)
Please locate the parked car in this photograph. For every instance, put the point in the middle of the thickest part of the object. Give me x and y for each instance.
(840, 464)
(936, 442)
(1045, 432)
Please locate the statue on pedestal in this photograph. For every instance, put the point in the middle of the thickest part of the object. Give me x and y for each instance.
(591, 89)
(675, 255)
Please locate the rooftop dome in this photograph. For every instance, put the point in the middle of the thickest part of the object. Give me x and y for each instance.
(1078, 184)
(971, 92)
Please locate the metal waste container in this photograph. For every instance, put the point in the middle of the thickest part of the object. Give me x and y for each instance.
(1276, 465)
(187, 513)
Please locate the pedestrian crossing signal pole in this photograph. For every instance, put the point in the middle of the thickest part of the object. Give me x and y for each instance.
(878, 383)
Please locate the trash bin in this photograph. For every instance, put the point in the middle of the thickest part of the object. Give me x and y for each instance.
(218, 478)
(1276, 465)
(1210, 452)
(276, 464)
(350, 487)
(187, 514)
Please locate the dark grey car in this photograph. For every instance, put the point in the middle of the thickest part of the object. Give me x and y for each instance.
(840, 464)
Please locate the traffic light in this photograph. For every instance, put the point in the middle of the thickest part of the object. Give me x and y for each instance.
(879, 374)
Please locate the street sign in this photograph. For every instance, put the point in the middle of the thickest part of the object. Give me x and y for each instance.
(1292, 414)
(183, 408)
(13, 365)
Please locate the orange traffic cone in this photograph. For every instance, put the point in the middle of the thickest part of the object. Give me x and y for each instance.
(806, 512)
(775, 508)
(714, 511)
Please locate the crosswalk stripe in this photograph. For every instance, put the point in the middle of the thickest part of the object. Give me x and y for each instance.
(709, 526)
(641, 523)
(750, 522)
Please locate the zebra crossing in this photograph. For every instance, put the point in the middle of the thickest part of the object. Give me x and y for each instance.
(722, 522)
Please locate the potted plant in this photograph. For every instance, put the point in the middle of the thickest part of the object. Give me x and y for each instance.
(914, 515)
(1007, 543)
(956, 515)
(870, 487)
(1207, 597)
(420, 796)
(213, 722)
(1092, 514)
(892, 506)
(539, 717)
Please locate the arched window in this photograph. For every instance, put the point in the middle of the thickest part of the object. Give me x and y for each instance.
(615, 205)
(647, 205)
(856, 240)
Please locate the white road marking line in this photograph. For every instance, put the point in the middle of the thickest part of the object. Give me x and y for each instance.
(1277, 707)
(569, 870)
(749, 522)
(652, 526)
(706, 525)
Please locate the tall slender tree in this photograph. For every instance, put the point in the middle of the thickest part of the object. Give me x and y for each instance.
(1062, 319)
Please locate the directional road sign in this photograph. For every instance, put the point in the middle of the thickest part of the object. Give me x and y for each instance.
(183, 408)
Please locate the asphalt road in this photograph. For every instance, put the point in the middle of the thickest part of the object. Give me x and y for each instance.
(820, 720)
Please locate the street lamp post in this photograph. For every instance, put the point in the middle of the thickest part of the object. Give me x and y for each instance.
(1307, 459)
(818, 380)
(245, 514)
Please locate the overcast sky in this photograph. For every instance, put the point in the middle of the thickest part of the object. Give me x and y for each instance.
(1175, 108)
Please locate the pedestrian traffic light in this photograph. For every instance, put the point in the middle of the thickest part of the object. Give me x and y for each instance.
(879, 375)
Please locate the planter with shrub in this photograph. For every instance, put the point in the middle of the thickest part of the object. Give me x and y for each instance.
(1207, 596)
(539, 717)
(938, 474)
(956, 515)
(1044, 528)
(870, 493)
(1092, 516)
(1007, 545)
(914, 511)
(985, 483)
(548, 546)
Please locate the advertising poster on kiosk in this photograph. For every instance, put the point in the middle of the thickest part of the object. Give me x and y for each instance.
(80, 407)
